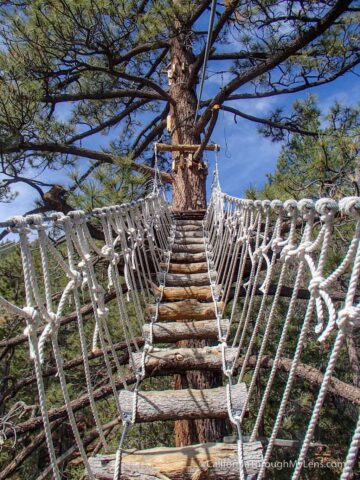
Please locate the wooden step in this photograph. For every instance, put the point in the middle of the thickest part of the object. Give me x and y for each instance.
(207, 461)
(199, 267)
(184, 310)
(175, 360)
(188, 257)
(182, 404)
(186, 280)
(189, 241)
(174, 294)
(171, 332)
(189, 214)
(183, 223)
(191, 233)
(180, 248)
(188, 228)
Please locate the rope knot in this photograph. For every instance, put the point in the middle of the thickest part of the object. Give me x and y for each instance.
(285, 255)
(76, 278)
(258, 252)
(349, 318)
(350, 206)
(109, 253)
(315, 286)
(291, 207)
(102, 313)
(307, 208)
(18, 223)
(78, 216)
(36, 221)
(32, 314)
(275, 244)
(57, 216)
(302, 249)
(327, 207)
(277, 205)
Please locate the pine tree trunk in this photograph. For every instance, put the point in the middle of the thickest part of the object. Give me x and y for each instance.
(189, 190)
(189, 193)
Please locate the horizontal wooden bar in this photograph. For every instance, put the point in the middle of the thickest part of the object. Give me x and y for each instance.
(183, 257)
(204, 461)
(183, 404)
(184, 310)
(172, 332)
(174, 294)
(181, 359)
(199, 267)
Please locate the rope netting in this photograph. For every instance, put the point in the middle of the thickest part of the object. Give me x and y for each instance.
(276, 269)
(136, 242)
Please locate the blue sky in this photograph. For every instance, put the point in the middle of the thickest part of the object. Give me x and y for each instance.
(245, 157)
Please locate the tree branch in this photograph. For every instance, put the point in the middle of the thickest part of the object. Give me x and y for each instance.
(281, 126)
(86, 153)
(104, 95)
(300, 42)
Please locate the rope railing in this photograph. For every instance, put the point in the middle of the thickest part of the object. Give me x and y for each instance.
(137, 238)
(256, 248)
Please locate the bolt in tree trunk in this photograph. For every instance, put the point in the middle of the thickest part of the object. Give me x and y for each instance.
(189, 194)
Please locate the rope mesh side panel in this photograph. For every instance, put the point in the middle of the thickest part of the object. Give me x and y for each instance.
(271, 261)
(132, 232)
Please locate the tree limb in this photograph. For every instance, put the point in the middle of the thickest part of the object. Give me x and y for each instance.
(86, 153)
(300, 42)
(265, 121)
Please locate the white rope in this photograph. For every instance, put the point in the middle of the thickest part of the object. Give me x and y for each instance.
(127, 231)
(237, 241)
(250, 246)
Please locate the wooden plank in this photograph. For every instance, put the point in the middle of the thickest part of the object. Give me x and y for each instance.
(179, 248)
(175, 360)
(182, 404)
(189, 241)
(191, 233)
(188, 257)
(171, 332)
(208, 461)
(199, 267)
(186, 280)
(189, 214)
(183, 293)
(184, 310)
(189, 228)
(183, 147)
(182, 223)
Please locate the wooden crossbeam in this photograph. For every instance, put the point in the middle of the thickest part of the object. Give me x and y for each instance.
(164, 147)
(205, 462)
(173, 294)
(172, 332)
(181, 359)
(186, 280)
(184, 310)
(183, 257)
(183, 404)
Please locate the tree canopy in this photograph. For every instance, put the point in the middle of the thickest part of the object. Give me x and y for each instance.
(325, 164)
(85, 83)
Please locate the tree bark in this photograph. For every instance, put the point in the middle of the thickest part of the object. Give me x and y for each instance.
(189, 193)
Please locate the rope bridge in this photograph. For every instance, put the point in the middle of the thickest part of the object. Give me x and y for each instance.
(224, 278)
